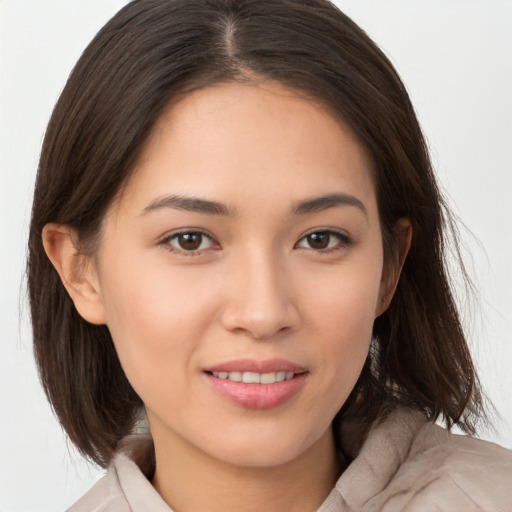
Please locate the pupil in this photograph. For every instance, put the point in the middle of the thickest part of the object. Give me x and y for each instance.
(318, 240)
(190, 241)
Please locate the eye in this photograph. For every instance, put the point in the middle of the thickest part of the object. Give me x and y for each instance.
(323, 240)
(188, 242)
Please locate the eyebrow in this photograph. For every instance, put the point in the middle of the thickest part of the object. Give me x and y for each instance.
(205, 206)
(190, 204)
(317, 204)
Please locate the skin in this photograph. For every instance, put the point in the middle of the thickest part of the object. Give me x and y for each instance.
(255, 287)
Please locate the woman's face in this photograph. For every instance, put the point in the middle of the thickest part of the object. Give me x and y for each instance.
(246, 246)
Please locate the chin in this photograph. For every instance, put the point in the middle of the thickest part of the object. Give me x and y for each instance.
(264, 451)
(256, 457)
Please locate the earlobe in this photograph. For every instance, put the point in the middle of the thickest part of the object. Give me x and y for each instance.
(392, 270)
(77, 272)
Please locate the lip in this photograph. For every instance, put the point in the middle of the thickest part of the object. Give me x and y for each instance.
(257, 396)
(253, 365)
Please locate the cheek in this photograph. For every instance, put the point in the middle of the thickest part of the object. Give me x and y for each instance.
(155, 318)
(345, 300)
(338, 332)
(341, 314)
(142, 294)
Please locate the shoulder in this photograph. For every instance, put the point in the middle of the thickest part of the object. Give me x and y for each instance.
(452, 473)
(413, 465)
(105, 496)
(126, 487)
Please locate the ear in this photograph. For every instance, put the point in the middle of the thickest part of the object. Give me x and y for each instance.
(392, 270)
(77, 271)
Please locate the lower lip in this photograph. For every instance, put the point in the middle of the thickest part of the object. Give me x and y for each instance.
(258, 396)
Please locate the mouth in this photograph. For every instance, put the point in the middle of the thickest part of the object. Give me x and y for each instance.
(257, 384)
(255, 377)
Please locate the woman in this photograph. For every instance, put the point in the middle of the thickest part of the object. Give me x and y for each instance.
(236, 232)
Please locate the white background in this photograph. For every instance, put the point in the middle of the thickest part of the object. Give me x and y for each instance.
(455, 57)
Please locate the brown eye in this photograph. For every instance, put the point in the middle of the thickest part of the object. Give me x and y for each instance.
(189, 242)
(323, 240)
(319, 240)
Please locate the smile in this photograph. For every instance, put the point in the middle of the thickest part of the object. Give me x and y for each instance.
(253, 384)
(254, 377)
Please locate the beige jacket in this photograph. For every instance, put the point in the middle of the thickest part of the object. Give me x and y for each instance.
(406, 464)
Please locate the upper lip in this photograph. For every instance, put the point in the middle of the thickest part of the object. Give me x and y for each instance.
(256, 366)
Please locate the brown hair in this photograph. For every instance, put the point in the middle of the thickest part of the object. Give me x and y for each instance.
(153, 50)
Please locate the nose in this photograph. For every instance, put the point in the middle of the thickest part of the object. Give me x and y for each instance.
(260, 301)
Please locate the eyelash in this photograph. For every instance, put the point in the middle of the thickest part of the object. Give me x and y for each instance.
(344, 241)
(166, 242)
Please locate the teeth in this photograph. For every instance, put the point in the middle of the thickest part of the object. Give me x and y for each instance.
(255, 378)
(251, 378)
(280, 376)
(268, 378)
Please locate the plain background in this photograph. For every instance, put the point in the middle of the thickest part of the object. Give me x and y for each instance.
(455, 58)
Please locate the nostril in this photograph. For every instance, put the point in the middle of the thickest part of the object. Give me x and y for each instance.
(260, 324)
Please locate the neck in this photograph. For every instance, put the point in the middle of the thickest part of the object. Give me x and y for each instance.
(191, 481)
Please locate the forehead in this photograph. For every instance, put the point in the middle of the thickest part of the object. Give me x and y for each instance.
(237, 142)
